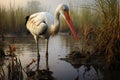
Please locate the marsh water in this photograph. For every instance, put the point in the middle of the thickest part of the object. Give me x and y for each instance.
(59, 47)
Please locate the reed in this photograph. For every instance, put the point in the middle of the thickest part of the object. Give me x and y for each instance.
(12, 19)
(108, 41)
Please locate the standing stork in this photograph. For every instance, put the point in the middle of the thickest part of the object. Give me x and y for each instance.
(44, 24)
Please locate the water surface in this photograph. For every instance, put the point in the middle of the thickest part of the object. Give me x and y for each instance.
(59, 47)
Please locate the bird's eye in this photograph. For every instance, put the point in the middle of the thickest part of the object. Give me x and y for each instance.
(64, 9)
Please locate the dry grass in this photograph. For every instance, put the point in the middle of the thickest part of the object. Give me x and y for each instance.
(108, 41)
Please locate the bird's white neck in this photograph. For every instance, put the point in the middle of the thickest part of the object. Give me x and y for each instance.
(57, 19)
(56, 24)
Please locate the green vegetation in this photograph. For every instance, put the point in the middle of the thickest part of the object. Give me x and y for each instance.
(12, 20)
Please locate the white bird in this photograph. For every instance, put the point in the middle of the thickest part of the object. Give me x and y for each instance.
(44, 24)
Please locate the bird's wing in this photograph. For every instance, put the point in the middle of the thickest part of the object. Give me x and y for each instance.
(39, 22)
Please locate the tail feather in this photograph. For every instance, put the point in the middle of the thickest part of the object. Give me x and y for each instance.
(27, 17)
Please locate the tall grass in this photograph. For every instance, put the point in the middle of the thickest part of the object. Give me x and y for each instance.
(108, 41)
(12, 19)
(2, 18)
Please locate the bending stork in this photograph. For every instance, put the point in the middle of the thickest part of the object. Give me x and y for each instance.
(44, 24)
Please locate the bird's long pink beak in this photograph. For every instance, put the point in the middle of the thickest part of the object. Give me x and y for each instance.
(70, 24)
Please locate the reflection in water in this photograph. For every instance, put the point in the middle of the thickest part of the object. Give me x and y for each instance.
(41, 74)
(87, 72)
(59, 47)
(77, 77)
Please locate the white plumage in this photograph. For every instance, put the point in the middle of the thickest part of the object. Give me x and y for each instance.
(40, 22)
(44, 24)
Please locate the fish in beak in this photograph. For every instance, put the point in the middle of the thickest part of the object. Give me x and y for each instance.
(70, 24)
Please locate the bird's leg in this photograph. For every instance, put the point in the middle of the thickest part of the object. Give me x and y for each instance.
(47, 67)
(47, 47)
(38, 55)
(37, 48)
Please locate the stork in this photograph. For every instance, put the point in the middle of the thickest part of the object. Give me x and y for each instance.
(44, 24)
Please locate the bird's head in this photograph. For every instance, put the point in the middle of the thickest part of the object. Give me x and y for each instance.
(64, 11)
